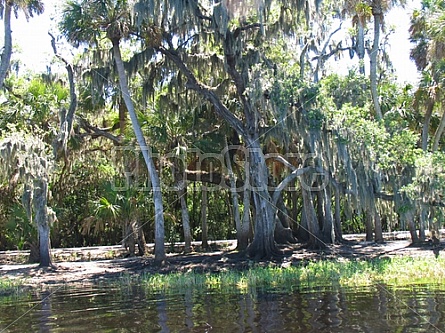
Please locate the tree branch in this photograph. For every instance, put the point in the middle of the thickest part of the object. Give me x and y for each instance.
(94, 131)
(193, 84)
(66, 121)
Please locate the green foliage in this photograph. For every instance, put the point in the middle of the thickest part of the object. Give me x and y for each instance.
(352, 89)
(395, 272)
(428, 184)
(315, 119)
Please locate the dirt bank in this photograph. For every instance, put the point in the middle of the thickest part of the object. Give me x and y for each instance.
(91, 265)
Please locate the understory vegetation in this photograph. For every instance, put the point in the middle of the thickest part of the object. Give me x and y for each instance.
(185, 121)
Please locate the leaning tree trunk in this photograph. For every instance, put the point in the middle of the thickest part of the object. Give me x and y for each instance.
(155, 182)
(438, 133)
(373, 65)
(41, 220)
(7, 48)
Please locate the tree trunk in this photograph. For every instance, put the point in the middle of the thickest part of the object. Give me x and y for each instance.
(360, 47)
(41, 220)
(373, 65)
(243, 238)
(408, 216)
(155, 182)
(423, 219)
(233, 192)
(7, 48)
(403, 204)
(263, 244)
(369, 225)
(426, 124)
(185, 220)
(438, 133)
(328, 223)
(378, 228)
(141, 238)
(130, 237)
(283, 232)
(302, 232)
(337, 215)
(204, 226)
(313, 228)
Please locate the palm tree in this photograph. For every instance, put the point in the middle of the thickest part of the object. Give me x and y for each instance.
(7, 7)
(85, 22)
(361, 13)
(426, 31)
(379, 7)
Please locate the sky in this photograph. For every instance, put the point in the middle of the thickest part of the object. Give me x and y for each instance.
(36, 53)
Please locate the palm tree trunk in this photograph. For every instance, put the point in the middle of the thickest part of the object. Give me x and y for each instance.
(361, 46)
(7, 49)
(426, 124)
(155, 182)
(373, 66)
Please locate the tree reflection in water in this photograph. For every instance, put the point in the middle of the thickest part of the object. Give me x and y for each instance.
(134, 309)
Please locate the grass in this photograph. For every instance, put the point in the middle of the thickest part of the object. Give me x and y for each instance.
(397, 272)
(11, 287)
(346, 273)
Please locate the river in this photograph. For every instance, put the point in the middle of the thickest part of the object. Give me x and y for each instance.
(134, 309)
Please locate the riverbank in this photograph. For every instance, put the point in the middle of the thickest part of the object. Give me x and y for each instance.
(222, 258)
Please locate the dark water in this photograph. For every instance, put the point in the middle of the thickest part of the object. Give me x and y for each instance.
(134, 309)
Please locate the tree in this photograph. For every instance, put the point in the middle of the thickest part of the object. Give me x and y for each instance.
(7, 7)
(361, 13)
(428, 53)
(26, 156)
(83, 22)
(263, 244)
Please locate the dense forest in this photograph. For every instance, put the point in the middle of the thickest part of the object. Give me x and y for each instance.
(201, 120)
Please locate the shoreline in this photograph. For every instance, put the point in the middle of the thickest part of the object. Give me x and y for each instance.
(225, 258)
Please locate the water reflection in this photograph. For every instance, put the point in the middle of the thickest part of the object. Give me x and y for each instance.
(134, 309)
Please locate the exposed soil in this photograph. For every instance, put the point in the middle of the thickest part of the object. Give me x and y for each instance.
(92, 265)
